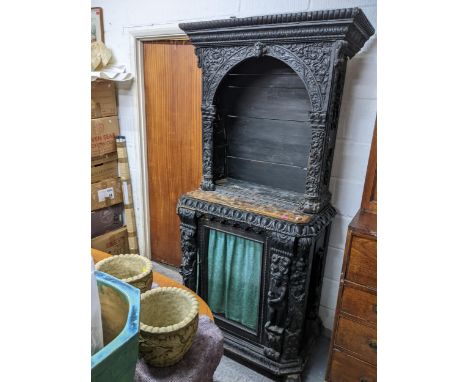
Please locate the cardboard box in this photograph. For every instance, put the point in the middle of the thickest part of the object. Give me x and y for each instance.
(104, 168)
(104, 158)
(106, 193)
(114, 242)
(106, 219)
(103, 100)
(103, 132)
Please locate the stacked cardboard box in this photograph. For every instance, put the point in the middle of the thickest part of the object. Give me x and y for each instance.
(113, 242)
(103, 99)
(106, 219)
(103, 132)
(104, 167)
(107, 231)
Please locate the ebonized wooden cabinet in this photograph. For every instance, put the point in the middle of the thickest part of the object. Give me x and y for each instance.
(271, 97)
(353, 353)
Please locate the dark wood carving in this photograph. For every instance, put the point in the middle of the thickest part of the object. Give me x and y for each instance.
(316, 45)
(208, 117)
(293, 269)
(277, 303)
(188, 240)
(292, 221)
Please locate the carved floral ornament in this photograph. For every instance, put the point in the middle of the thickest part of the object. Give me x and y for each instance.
(260, 48)
(311, 62)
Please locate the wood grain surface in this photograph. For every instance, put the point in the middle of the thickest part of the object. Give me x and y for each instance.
(362, 267)
(173, 127)
(346, 368)
(264, 130)
(369, 195)
(358, 338)
(359, 303)
(364, 223)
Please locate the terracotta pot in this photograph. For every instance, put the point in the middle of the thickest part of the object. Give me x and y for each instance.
(133, 269)
(168, 323)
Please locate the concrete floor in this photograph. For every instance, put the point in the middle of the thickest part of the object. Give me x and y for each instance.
(232, 371)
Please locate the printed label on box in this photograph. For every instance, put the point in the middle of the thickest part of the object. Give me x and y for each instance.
(105, 193)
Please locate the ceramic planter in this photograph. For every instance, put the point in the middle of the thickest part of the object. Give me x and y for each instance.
(168, 323)
(135, 270)
(120, 310)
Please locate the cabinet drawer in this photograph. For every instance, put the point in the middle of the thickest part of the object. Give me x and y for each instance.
(345, 368)
(359, 303)
(362, 267)
(358, 338)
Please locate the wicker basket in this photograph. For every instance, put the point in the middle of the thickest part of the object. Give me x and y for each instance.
(168, 323)
(133, 269)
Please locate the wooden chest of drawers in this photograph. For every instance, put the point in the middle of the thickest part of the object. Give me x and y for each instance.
(346, 368)
(353, 351)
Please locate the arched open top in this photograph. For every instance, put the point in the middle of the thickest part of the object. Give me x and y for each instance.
(262, 131)
(316, 46)
(217, 62)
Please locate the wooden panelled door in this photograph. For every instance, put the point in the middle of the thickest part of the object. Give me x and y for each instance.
(173, 131)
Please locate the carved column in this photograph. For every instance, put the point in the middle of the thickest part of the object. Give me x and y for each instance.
(336, 93)
(313, 199)
(280, 255)
(297, 300)
(208, 117)
(324, 126)
(318, 268)
(188, 241)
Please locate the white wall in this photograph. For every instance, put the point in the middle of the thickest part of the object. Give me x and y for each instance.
(357, 117)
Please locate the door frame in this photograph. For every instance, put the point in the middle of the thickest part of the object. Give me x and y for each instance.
(138, 35)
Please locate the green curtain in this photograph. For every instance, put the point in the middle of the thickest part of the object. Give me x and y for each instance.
(234, 267)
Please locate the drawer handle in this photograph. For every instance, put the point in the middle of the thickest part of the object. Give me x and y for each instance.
(374, 308)
(372, 344)
(363, 380)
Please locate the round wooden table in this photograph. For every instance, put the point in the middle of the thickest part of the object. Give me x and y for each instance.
(163, 281)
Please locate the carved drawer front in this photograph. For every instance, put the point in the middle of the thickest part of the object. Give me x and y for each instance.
(362, 267)
(359, 303)
(345, 368)
(358, 338)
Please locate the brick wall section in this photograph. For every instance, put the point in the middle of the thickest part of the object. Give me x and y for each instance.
(357, 114)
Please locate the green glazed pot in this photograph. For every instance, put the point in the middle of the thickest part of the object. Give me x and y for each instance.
(168, 323)
(120, 312)
(135, 270)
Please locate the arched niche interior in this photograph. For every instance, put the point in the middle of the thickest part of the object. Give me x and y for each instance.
(262, 133)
